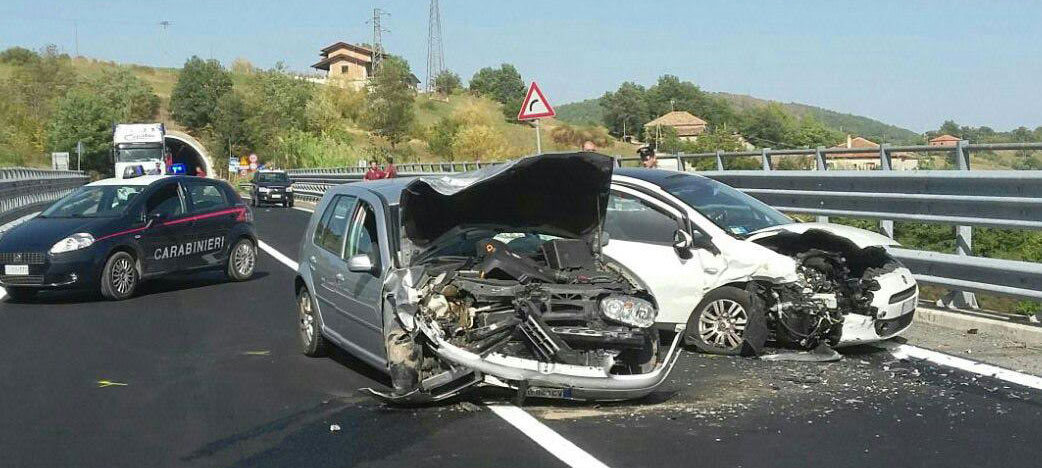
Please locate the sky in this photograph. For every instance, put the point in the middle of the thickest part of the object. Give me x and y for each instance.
(910, 63)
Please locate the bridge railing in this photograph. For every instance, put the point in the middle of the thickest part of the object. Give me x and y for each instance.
(963, 198)
(23, 189)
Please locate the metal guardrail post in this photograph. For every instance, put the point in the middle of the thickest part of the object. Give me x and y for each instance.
(680, 162)
(821, 165)
(719, 160)
(766, 155)
(963, 242)
(885, 164)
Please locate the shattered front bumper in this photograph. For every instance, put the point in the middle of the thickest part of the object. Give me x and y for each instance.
(895, 303)
(555, 380)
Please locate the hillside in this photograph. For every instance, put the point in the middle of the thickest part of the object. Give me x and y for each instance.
(590, 112)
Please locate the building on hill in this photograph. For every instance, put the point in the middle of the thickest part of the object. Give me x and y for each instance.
(351, 64)
(945, 140)
(867, 161)
(687, 126)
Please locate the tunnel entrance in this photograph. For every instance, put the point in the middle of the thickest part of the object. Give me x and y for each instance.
(188, 151)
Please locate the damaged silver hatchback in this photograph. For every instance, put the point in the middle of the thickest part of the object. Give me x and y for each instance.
(493, 277)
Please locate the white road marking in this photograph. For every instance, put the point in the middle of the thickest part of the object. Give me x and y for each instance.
(531, 427)
(303, 209)
(3, 293)
(547, 438)
(278, 255)
(907, 351)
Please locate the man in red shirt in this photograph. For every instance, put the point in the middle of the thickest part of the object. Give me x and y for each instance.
(374, 172)
(390, 171)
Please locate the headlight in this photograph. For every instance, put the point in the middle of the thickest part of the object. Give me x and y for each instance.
(77, 241)
(264, 190)
(629, 310)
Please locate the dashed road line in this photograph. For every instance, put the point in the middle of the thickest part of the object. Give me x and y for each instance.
(531, 427)
(908, 351)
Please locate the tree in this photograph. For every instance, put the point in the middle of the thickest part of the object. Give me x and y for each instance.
(18, 56)
(440, 137)
(768, 126)
(275, 103)
(503, 85)
(626, 110)
(447, 82)
(389, 108)
(133, 99)
(669, 93)
(200, 85)
(229, 123)
(479, 142)
(811, 133)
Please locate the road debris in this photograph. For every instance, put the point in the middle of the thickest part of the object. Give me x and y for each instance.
(334, 427)
(109, 383)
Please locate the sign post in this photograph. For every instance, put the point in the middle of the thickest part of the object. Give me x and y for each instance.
(534, 108)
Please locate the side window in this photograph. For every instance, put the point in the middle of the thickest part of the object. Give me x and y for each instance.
(362, 237)
(166, 200)
(205, 197)
(631, 219)
(329, 234)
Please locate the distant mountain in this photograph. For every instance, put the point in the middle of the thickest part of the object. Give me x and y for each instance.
(590, 112)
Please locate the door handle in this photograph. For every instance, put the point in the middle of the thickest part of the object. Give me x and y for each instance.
(311, 262)
(712, 270)
(339, 277)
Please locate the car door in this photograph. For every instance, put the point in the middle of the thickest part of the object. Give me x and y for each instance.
(164, 214)
(640, 232)
(360, 290)
(327, 264)
(212, 219)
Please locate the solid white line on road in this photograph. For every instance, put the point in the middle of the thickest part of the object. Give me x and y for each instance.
(303, 209)
(278, 255)
(1019, 378)
(547, 438)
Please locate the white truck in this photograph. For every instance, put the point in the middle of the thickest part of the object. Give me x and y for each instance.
(137, 146)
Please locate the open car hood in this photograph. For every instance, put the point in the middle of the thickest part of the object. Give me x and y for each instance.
(564, 193)
(858, 236)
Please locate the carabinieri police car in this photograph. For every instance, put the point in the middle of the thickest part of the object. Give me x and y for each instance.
(110, 235)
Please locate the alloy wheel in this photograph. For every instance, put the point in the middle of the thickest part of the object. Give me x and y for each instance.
(122, 278)
(723, 323)
(307, 319)
(244, 258)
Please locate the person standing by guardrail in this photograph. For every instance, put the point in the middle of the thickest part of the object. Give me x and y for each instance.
(374, 172)
(647, 157)
(390, 171)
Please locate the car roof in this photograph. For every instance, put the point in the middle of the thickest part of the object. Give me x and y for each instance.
(654, 176)
(388, 189)
(143, 180)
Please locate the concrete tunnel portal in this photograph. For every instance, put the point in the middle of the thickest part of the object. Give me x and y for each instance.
(190, 152)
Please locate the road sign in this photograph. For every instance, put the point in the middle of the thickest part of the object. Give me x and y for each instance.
(60, 161)
(253, 158)
(535, 106)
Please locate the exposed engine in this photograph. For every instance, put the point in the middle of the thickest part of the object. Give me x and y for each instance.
(557, 305)
(835, 278)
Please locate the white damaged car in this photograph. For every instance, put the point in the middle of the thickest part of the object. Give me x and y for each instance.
(734, 272)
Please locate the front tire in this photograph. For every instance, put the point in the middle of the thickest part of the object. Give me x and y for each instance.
(119, 278)
(21, 294)
(242, 260)
(728, 321)
(311, 340)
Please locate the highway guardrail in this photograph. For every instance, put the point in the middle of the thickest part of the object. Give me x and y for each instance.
(24, 189)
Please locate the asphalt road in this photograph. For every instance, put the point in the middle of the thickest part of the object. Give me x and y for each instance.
(208, 373)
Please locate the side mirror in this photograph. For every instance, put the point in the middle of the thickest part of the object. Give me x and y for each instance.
(682, 240)
(152, 218)
(360, 263)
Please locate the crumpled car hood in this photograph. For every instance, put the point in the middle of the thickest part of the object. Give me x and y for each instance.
(563, 193)
(858, 236)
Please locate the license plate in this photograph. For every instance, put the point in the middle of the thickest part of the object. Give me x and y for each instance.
(275, 195)
(545, 392)
(21, 270)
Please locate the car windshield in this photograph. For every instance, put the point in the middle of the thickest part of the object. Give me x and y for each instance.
(269, 177)
(730, 209)
(136, 154)
(103, 201)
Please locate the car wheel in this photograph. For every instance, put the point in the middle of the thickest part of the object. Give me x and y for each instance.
(242, 260)
(311, 339)
(728, 321)
(119, 278)
(21, 294)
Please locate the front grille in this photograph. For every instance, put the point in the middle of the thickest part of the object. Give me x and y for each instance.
(887, 328)
(21, 280)
(22, 258)
(901, 296)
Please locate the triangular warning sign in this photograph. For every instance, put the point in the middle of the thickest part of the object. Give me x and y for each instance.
(535, 106)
